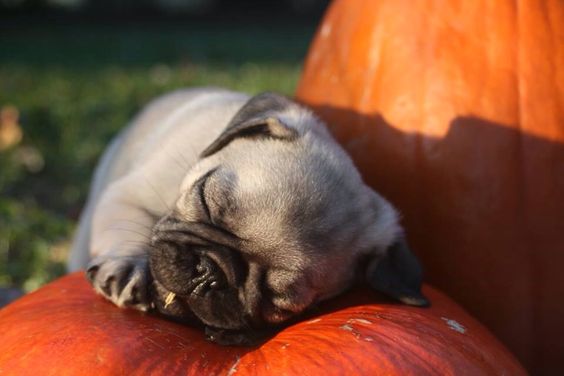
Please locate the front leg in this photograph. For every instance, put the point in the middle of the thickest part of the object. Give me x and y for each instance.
(120, 241)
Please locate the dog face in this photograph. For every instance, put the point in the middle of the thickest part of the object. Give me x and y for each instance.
(274, 218)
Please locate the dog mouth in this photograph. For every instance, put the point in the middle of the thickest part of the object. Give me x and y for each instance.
(194, 277)
(197, 294)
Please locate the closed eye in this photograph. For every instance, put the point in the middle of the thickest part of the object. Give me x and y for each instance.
(200, 185)
(205, 198)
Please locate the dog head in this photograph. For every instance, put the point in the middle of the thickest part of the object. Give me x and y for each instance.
(272, 219)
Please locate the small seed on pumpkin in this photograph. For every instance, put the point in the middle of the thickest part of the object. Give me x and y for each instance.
(169, 299)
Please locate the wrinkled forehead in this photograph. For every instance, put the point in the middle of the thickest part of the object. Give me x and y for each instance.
(287, 189)
(273, 173)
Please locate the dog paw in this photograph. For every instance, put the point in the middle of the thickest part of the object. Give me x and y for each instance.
(124, 280)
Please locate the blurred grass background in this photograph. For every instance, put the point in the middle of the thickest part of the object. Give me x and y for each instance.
(66, 89)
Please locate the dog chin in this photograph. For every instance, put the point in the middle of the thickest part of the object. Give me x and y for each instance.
(274, 315)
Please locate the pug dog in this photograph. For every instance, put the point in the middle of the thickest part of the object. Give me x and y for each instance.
(238, 213)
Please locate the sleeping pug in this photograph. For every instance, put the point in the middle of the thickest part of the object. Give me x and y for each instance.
(236, 212)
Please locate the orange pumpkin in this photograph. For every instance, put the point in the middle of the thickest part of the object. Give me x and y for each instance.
(65, 329)
(454, 110)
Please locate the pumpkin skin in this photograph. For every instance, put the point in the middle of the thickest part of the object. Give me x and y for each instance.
(454, 111)
(65, 329)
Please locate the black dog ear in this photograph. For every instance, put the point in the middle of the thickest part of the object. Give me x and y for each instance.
(258, 117)
(397, 274)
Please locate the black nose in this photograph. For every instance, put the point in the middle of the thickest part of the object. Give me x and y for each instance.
(209, 277)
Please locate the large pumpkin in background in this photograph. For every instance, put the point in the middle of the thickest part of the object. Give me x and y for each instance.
(454, 110)
(65, 329)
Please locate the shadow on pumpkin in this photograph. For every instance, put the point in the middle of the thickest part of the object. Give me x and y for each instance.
(483, 209)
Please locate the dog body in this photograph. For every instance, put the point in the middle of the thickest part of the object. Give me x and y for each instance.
(244, 208)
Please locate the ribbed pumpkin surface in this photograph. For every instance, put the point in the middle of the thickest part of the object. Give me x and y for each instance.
(65, 329)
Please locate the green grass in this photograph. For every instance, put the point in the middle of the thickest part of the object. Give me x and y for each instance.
(76, 87)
